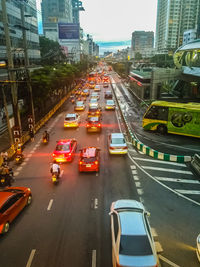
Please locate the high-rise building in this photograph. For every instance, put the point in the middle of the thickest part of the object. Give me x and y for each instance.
(142, 42)
(16, 27)
(174, 17)
(53, 12)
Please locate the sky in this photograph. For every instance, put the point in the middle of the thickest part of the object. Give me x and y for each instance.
(115, 20)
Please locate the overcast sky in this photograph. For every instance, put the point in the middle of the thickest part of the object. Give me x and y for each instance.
(115, 20)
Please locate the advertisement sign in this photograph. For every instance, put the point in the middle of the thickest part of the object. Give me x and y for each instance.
(68, 31)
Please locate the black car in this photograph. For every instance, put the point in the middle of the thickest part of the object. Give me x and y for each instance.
(108, 95)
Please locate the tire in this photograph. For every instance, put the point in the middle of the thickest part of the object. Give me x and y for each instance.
(29, 200)
(6, 228)
(162, 129)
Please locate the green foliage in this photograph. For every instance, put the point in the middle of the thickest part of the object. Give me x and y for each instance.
(138, 56)
(163, 61)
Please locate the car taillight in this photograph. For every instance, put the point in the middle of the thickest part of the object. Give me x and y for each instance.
(99, 125)
(112, 147)
(53, 155)
(125, 147)
(80, 162)
(70, 154)
(96, 162)
(88, 125)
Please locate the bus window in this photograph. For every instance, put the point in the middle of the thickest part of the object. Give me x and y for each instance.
(157, 113)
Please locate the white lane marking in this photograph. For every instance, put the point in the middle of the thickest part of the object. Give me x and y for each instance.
(140, 191)
(23, 163)
(188, 192)
(29, 155)
(175, 180)
(133, 167)
(95, 203)
(19, 168)
(136, 178)
(154, 233)
(158, 246)
(160, 161)
(32, 151)
(168, 261)
(94, 255)
(141, 200)
(97, 174)
(16, 173)
(166, 170)
(165, 186)
(50, 204)
(27, 159)
(31, 258)
(61, 174)
(98, 139)
(134, 172)
(138, 184)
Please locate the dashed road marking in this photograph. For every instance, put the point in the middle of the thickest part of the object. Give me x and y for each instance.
(136, 178)
(176, 180)
(140, 191)
(31, 258)
(61, 174)
(138, 184)
(50, 204)
(95, 203)
(98, 139)
(154, 233)
(97, 174)
(29, 155)
(133, 167)
(94, 252)
(19, 168)
(16, 173)
(23, 163)
(134, 172)
(158, 246)
(27, 159)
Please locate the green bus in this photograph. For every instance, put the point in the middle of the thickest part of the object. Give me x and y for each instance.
(175, 118)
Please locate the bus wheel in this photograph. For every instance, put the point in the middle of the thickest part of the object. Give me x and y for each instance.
(162, 129)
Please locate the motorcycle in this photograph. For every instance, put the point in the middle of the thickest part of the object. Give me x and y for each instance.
(55, 178)
(45, 140)
(19, 158)
(6, 180)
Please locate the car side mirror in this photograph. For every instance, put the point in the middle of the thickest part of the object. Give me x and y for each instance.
(147, 213)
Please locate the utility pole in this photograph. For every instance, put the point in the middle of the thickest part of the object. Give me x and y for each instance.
(11, 72)
(7, 116)
(27, 59)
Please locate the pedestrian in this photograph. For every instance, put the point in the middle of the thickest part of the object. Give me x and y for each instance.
(31, 133)
(4, 156)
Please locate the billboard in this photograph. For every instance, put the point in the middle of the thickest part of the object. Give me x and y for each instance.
(68, 31)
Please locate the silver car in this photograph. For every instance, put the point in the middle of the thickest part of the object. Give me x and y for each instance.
(132, 241)
(117, 144)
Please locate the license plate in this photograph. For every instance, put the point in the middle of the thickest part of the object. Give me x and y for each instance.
(88, 165)
(54, 179)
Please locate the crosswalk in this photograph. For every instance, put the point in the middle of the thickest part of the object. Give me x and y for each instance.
(177, 176)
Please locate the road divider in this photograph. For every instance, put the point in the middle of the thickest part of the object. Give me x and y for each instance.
(142, 147)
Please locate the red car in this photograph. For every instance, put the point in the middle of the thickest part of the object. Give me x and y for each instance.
(89, 159)
(12, 202)
(65, 150)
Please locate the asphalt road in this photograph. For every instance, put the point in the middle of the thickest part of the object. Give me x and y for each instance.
(69, 225)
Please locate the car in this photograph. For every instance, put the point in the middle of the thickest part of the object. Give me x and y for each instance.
(117, 144)
(91, 85)
(93, 101)
(94, 110)
(105, 85)
(93, 124)
(97, 88)
(85, 92)
(71, 120)
(65, 150)
(12, 201)
(94, 95)
(108, 95)
(110, 104)
(79, 105)
(132, 240)
(89, 160)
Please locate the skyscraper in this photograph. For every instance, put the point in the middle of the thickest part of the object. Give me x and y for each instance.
(173, 18)
(142, 42)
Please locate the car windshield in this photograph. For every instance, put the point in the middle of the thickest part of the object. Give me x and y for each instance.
(89, 160)
(63, 147)
(70, 118)
(117, 141)
(110, 102)
(93, 100)
(79, 103)
(135, 245)
(93, 119)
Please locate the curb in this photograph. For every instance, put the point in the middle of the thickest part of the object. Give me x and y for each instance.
(146, 149)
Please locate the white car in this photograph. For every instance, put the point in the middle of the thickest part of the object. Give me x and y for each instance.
(79, 105)
(92, 101)
(94, 95)
(71, 120)
(117, 144)
(110, 104)
(132, 240)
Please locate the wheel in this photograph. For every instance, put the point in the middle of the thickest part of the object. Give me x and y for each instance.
(6, 227)
(162, 129)
(29, 200)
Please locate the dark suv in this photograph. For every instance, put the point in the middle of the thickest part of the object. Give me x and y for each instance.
(108, 95)
(89, 160)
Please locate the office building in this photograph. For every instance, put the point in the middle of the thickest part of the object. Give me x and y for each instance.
(15, 27)
(142, 42)
(173, 19)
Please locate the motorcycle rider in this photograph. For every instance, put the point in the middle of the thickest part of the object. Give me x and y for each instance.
(6, 173)
(46, 135)
(55, 169)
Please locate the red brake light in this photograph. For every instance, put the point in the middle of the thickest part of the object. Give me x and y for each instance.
(125, 147)
(99, 125)
(88, 125)
(70, 154)
(53, 155)
(96, 162)
(80, 162)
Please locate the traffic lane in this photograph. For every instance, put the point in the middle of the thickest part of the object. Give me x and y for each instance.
(175, 219)
(169, 142)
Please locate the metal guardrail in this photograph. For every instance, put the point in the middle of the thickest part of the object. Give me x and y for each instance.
(195, 162)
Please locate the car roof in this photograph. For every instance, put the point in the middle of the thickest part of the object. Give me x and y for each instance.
(4, 196)
(117, 135)
(79, 102)
(71, 115)
(132, 223)
(89, 152)
(64, 141)
(109, 101)
(128, 203)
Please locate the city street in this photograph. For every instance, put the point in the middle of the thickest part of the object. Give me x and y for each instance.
(69, 224)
